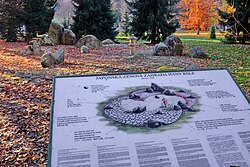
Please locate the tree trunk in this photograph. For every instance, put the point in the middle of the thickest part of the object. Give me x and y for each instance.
(11, 34)
(153, 34)
(198, 29)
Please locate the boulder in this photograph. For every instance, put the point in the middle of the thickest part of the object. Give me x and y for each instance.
(175, 44)
(55, 32)
(161, 50)
(59, 56)
(28, 50)
(68, 37)
(47, 41)
(108, 42)
(84, 49)
(198, 52)
(90, 41)
(34, 48)
(35, 41)
(48, 59)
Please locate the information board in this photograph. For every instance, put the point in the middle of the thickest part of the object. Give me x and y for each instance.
(178, 118)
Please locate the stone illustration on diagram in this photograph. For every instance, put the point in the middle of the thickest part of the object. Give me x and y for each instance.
(150, 107)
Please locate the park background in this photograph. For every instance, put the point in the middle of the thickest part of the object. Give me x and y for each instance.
(219, 27)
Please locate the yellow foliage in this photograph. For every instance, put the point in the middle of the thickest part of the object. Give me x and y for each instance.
(225, 7)
(230, 9)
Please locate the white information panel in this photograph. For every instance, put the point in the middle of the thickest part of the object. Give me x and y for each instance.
(179, 118)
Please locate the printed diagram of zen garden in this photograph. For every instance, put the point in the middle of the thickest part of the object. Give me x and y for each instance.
(152, 107)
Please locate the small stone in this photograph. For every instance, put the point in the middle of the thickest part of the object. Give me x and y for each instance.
(169, 93)
(198, 52)
(176, 107)
(84, 49)
(154, 124)
(108, 42)
(182, 105)
(46, 41)
(149, 90)
(108, 108)
(28, 50)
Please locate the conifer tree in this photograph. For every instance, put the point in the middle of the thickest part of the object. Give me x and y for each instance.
(51, 3)
(236, 17)
(213, 32)
(153, 20)
(37, 16)
(94, 17)
(125, 23)
(9, 19)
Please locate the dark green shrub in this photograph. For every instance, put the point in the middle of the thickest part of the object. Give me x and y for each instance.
(212, 33)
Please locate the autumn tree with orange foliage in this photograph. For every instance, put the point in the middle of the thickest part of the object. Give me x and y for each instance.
(197, 14)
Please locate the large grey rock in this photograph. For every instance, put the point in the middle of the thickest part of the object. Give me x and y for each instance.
(55, 32)
(175, 44)
(161, 50)
(198, 52)
(47, 41)
(48, 59)
(90, 41)
(68, 37)
(59, 56)
(34, 41)
(34, 48)
(108, 42)
(84, 49)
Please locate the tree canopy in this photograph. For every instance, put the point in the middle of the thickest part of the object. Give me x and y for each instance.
(94, 17)
(236, 17)
(35, 15)
(153, 19)
(197, 14)
(9, 19)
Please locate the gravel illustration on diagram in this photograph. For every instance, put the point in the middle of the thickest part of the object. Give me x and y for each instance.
(152, 107)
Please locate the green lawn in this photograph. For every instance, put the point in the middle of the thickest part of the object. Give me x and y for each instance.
(234, 57)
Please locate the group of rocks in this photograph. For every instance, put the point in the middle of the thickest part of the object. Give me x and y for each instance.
(152, 119)
(58, 35)
(163, 113)
(172, 46)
